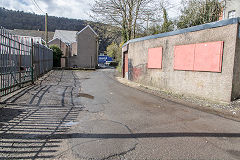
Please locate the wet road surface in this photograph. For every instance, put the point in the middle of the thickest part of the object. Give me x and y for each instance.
(88, 115)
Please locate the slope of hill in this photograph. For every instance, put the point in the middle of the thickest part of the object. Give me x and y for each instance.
(20, 20)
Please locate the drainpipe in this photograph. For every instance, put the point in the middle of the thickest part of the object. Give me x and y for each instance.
(97, 39)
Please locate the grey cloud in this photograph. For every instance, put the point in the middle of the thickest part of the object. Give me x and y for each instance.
(78, 9)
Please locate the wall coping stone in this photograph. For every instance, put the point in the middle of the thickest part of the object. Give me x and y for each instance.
(186, 30)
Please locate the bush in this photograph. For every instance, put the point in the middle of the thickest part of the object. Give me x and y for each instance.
(57, 54)
(119, 67)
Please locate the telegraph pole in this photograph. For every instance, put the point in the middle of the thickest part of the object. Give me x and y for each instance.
(46, 29)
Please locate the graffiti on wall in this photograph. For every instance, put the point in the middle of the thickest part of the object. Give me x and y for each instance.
(134, 72)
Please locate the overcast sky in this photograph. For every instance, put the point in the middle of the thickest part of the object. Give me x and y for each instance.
(77, 9)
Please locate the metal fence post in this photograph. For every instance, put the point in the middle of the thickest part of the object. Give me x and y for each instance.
(32, 65)
(20, 63)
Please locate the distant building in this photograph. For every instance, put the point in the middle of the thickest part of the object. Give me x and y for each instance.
(35, 39)
(65, 48)
(80, 49)
(64, 40)
(32, 33)
(232, 9)
(87, 49)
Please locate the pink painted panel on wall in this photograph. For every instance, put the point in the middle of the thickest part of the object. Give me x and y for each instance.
(208, 56)
(184, 57)
(155, 57)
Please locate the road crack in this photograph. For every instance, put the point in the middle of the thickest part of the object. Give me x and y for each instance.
(122, 153)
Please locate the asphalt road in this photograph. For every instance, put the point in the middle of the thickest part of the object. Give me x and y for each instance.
(88, 115)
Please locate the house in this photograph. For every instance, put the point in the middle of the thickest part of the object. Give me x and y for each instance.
(64, 48)
(232, 9)
(80, 49)
(87, 49)
(64, 39)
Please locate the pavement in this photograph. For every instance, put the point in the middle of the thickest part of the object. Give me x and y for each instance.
(227, 110)
(88, 115)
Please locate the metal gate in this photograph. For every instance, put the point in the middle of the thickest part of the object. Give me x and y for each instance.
(17, 55)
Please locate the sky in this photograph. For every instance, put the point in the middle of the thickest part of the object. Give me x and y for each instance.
(76, 9)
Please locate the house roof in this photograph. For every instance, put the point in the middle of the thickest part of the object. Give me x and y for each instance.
(32, 33)
(88, 26)
(65, 36)
(53, 40)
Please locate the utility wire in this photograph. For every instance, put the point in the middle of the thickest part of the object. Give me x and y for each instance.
(37, 6)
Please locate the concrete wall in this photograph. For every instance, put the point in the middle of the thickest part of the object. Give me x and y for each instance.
(224, 86)
(236, 71)
(86, 50)
(232, 5)
(63, 62)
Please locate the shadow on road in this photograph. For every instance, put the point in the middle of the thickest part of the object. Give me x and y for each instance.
(112, 136)
(11, 114)
(41, 110)
(35, 121)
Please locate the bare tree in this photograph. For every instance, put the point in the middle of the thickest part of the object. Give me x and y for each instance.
(196, 12)
(127, 14)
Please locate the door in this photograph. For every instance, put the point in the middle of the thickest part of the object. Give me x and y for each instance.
(125, 66)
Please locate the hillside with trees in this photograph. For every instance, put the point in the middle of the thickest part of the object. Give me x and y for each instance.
(28, 21)
(123, 20)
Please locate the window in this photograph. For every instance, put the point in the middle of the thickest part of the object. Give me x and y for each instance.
(232, 14)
